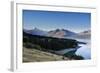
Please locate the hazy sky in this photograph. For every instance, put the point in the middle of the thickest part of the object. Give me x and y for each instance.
(51, 20)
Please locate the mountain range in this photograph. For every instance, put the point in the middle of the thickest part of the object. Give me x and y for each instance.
(84, 34)
(59, 33)
(36, 31)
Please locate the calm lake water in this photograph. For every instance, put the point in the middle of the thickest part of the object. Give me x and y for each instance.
(84, 50)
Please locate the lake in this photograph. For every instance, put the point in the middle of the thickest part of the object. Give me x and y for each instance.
(83, 50)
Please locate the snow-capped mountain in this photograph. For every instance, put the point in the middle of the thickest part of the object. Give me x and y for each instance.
(85, 34)
(61, 33)
(36, 31)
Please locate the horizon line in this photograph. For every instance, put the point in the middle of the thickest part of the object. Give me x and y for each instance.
(55, 29)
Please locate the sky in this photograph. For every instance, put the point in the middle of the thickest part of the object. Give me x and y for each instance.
(51, 20)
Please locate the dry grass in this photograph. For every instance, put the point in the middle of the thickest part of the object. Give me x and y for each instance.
(33, 55)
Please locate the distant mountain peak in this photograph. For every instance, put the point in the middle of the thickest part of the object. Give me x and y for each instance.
(36, 31)
(84, 34)
(87, 31)
(57, 30)
(61, 33)
(35, 28)
(63, 29)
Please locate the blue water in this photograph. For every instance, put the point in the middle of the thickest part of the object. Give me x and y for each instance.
(84, 50)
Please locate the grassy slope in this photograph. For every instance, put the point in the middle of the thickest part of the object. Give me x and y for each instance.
(33, 55)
